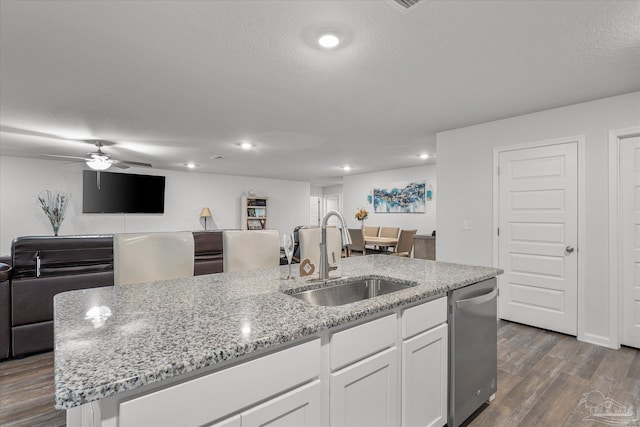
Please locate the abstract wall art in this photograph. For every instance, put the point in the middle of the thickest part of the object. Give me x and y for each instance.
(406, 197)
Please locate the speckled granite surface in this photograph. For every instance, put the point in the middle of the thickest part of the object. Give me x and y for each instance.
(162, 329)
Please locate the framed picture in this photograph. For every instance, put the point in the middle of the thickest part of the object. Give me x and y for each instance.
(406, 197)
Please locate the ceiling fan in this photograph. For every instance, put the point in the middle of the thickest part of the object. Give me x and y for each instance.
(99, 160)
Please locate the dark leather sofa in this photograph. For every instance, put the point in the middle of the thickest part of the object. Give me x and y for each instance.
(45, 266)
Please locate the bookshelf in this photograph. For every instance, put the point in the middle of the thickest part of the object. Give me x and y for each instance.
(254, 212)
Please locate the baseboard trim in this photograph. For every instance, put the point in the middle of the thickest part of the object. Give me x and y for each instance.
(597, 340)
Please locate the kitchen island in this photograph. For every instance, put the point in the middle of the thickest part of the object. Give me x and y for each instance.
(219, 338)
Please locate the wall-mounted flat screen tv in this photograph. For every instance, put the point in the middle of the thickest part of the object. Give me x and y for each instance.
(122, 193)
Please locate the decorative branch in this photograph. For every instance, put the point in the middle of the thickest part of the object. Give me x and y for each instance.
(54, 205)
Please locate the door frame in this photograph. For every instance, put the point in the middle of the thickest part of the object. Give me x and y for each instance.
(580, 140)
(615, 284)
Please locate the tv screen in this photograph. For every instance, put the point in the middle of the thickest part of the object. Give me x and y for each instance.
(122, 193)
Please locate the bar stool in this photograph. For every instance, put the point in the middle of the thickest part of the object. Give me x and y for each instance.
(149, 257)
(244, 250)
(310, 239)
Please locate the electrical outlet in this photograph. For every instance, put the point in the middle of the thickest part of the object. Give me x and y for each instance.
(467, 224)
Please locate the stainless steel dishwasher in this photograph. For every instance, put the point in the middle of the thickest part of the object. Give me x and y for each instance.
(473, 349)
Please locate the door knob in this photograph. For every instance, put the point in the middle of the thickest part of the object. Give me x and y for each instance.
(569, 249)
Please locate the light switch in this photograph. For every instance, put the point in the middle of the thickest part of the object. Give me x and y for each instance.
(467, 224)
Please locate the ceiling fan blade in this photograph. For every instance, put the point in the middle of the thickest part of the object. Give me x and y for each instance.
(64, 157)
(119, 165)
(126, 162)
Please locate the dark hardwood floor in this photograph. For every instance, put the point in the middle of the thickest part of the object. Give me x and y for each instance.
(542, 377)
(26, 393)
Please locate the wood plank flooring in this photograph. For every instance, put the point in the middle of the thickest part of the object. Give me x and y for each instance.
(542, 376)
(26, 393)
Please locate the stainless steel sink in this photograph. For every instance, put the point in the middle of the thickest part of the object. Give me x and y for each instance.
(345, 293)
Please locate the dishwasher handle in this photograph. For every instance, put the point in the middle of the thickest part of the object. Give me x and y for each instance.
(464, 303)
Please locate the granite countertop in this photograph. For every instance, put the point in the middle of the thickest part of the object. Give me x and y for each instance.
(162, 329)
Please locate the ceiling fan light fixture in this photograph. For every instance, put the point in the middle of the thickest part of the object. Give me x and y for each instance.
(99, 163)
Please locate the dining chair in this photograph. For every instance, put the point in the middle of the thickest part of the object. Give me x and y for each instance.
(149, 257)
(244, 250)
(389, 231)
(357, 239)
(371, 231)
(405, 243)
(310, 239)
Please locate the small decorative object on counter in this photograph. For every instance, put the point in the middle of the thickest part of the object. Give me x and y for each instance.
(306, 268)
(361, 215)
(288, 242)
(54, 205)
(429, 193)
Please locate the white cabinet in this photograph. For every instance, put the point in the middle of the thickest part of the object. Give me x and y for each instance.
(365, 393)
(424, 378)
(229, 422)
(389, 371)
(299, 408)
(218, 395)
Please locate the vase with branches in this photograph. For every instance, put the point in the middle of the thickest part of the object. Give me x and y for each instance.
(54, 205)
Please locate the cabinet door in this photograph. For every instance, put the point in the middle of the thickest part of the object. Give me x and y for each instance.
(235, 421)
(366, 393)
(424, 378)
(298, 408)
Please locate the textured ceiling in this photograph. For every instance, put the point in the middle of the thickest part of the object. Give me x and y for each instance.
(177, 81)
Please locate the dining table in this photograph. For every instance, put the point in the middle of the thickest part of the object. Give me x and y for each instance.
(382, 242)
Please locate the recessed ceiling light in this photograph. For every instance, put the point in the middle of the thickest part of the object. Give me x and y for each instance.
(246, 145)
(328, 41)
(346, 168)
(424, 156)
(190, 165)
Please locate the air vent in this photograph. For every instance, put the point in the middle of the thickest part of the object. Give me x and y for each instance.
(407, 4)
(217, 157)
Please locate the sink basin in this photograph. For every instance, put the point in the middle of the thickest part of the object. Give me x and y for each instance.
(345, 293)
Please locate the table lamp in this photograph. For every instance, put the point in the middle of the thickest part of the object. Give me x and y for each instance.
(205, 213)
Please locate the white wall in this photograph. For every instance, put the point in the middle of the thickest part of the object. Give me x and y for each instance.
(22, 179)
(465, 181)
(355, 189)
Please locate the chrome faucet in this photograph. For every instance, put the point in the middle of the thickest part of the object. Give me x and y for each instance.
(325, 268)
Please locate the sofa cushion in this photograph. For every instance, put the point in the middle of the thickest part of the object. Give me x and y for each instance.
(32, 298)
(65, 255)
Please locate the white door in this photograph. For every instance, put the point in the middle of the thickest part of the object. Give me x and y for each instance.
(332, 203)
(424, 379)
(366, 393)
(539, 236)
(630, 239)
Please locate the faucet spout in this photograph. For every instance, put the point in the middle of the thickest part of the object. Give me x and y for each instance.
(325, 268)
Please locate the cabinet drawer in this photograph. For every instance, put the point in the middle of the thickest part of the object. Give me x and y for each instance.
(362, 341)
(211, 397)
(424, 317)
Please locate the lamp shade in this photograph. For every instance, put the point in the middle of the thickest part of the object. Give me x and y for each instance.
(99, 164)
(205, 213)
